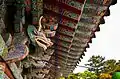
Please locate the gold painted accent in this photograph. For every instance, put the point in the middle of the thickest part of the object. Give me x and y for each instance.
(106, 1)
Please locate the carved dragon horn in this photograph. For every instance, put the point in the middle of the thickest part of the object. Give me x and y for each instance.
(40, 25)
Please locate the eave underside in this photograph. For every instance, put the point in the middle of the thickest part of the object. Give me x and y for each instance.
(71, 42)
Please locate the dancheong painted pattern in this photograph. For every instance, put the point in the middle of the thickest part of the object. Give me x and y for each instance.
(46, 39)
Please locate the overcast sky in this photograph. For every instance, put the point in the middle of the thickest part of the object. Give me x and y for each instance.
(107, 41)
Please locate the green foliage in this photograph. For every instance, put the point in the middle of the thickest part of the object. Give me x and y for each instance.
(62, 78)
(110, 66)
(87, 75)
(95, 64)
(84, 75)
(73, 76)
(97, 68)
(116, 75)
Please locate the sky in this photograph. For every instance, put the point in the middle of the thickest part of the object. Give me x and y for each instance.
(107, 41)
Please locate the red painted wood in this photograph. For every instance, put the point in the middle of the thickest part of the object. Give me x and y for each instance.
(63, 6)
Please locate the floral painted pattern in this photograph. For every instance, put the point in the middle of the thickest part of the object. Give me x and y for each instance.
(20, 13)
(2, 25)
(68, 23)
(100, 2)
(72, 3)
(64, 12)
(63, 43)
(87, 26)
(20, 38)
(2, 9)
(66, 31)
(62, 37)
(18, 52)
(62, 48)
(77, 50)
(90, 19)
(81, 40)
(93, 10)
(37, 10)
(79, 44)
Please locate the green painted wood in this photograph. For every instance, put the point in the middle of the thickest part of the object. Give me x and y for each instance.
(30, 31)
(3, 47)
